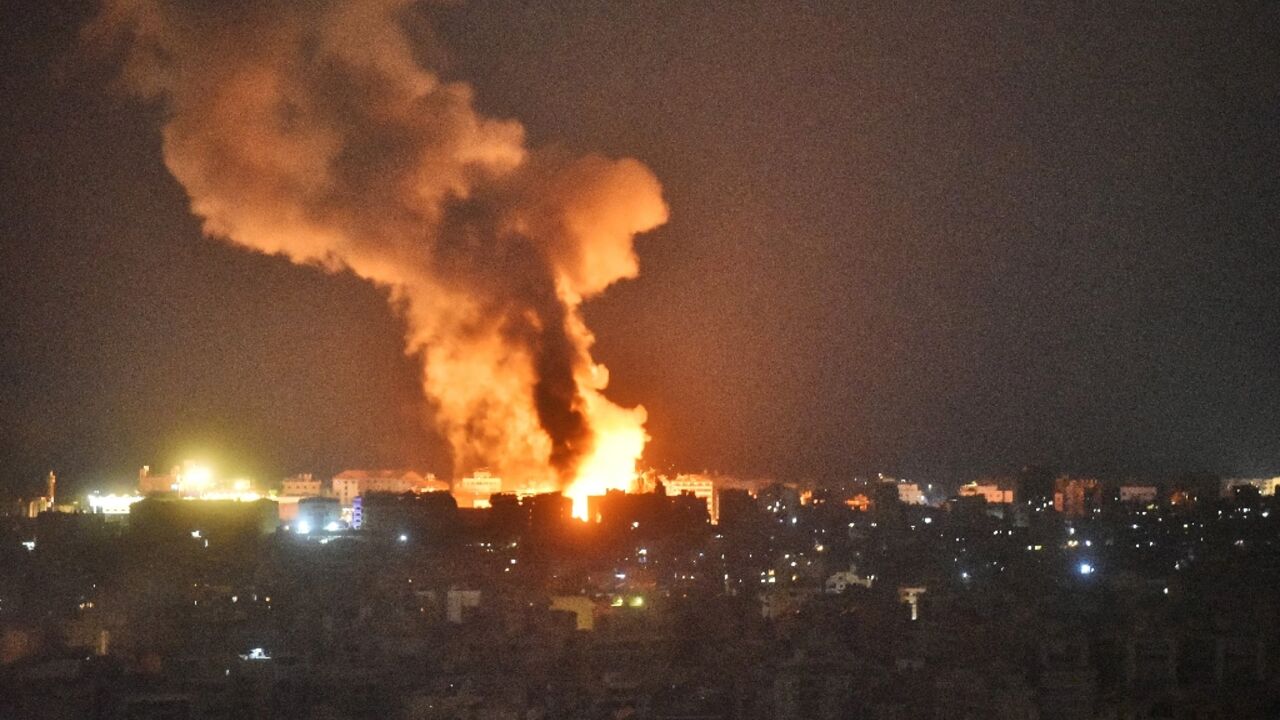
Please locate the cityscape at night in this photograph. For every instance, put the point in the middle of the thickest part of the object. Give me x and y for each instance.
(411, 360)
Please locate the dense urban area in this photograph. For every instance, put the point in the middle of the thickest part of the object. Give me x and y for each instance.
(394, 595)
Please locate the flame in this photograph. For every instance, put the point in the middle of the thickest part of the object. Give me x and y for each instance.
(619, 441)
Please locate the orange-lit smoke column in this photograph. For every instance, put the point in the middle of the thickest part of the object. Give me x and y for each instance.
(310, 130)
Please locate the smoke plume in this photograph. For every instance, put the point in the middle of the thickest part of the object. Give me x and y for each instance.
(311, 130)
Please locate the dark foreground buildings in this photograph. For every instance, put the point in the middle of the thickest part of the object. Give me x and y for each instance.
(795, 606)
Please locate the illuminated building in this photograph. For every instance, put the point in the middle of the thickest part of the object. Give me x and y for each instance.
(991, 492)
(148, 483)
(1265, 486)
(302, 485)
(700, 486)
(476, 489)
(1077, 497)
(842, 580)
(112, 505)
(582, 607)
(349, 484)
(195, 479)
(46, 502)
(909, 493)
(859, 502)
(911, 596)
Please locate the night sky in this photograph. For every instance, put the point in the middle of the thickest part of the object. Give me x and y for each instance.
(934, 240)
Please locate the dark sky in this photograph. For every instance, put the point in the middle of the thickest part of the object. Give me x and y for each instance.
(929, 239)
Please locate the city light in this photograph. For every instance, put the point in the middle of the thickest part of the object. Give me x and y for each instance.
(112, 504)
(1085, 568)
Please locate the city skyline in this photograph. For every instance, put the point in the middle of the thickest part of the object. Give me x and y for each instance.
(891, 247)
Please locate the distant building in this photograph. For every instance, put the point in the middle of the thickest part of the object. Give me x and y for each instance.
(911, 597)
(350, 484)
(457, 602)
(1077, 497)
(909, 493)
(700, 486)
(149, 483)
(113, 506)
(842, 580)
(1138, 494)
(426, 517)
(990, 491)
(318, 514)
(301, 485)
(1265, 486)
(582, 607)
(475, 489)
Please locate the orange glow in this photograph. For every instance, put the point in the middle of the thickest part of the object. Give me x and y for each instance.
(619, 441)
(859, 502)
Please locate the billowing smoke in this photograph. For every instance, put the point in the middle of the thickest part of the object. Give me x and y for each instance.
(311, 130)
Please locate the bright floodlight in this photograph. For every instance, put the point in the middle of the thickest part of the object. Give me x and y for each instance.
(304, 527)
(1086, 569)
(404, 538)
(332, 527)
(198, 475)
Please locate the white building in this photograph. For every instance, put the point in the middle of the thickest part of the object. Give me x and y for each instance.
(350, 484)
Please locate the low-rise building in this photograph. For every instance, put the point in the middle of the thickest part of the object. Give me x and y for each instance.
(301, 485)
(350, 484)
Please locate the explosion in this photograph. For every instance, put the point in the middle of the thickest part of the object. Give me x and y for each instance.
(312, 131)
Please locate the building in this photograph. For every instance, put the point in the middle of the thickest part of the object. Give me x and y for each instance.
(700, 486)
(113, 506)
(989, 491)
(317, 514)
(350, 484)
(301, 485)
(421, 517)
(842, 580)
(1138, 494)
(474, 490)
(149, 483)
(909, 493)
(1077, 497)
(1266, 486)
